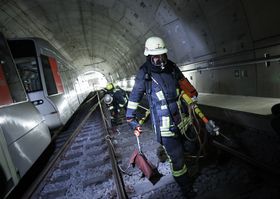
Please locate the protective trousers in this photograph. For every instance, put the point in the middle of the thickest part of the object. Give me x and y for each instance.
(175, 151)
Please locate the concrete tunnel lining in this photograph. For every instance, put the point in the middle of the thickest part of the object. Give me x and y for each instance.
(115, 31)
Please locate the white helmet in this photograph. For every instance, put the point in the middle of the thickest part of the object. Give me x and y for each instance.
(108, 99)
(154, 46)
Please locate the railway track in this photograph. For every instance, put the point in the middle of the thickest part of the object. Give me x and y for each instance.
(90, 162)
(85, 166)
(86, 163)
(81, 158)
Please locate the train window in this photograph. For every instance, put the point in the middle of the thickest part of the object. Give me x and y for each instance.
(52, 75)
(56, 74)
(11, 88)
(29, 73)
(24, 53)
(22, 48)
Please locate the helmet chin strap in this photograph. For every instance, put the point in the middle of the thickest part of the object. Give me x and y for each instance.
(162, 66)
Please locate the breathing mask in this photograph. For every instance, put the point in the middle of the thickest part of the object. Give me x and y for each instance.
(159, 60)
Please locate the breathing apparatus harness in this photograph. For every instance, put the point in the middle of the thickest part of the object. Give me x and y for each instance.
(188, 95)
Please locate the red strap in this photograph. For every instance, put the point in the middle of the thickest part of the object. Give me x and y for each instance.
(187, 87)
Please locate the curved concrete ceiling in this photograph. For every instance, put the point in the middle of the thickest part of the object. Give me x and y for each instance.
(108, 35)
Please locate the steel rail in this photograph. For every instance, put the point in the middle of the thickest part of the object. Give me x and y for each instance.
(121, 192)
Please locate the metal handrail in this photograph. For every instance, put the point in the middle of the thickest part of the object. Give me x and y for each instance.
(233, 64)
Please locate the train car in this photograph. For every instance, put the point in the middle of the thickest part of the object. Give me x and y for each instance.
(39, 66)
(23, 134)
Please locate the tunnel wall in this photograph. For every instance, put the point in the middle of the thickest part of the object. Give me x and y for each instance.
(239, 78)
(219, 45)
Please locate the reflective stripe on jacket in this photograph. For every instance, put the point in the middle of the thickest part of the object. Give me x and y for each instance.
(164, 95)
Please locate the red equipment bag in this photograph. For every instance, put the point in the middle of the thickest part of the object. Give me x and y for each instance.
(148, 169)
(187, 87)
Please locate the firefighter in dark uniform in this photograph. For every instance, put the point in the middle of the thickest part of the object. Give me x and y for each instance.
(116, 100)
(158, 78)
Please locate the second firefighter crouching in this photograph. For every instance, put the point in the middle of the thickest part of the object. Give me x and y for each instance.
(116, 100)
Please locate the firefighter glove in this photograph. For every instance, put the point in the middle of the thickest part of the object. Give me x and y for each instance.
(138, 131)
(132, 123)
(135, 126)
(212, 129)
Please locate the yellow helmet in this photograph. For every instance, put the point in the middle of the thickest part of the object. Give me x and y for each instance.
(110, 86)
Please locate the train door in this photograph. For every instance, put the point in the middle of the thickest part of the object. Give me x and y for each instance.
(54, 86)
(25, 56)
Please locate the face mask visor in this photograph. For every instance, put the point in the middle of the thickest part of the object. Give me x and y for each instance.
(159, 60)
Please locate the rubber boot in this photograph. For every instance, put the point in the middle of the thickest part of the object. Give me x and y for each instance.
(185, 183)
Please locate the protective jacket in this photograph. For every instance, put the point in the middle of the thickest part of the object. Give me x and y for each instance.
(119, 98)
(167, 110)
